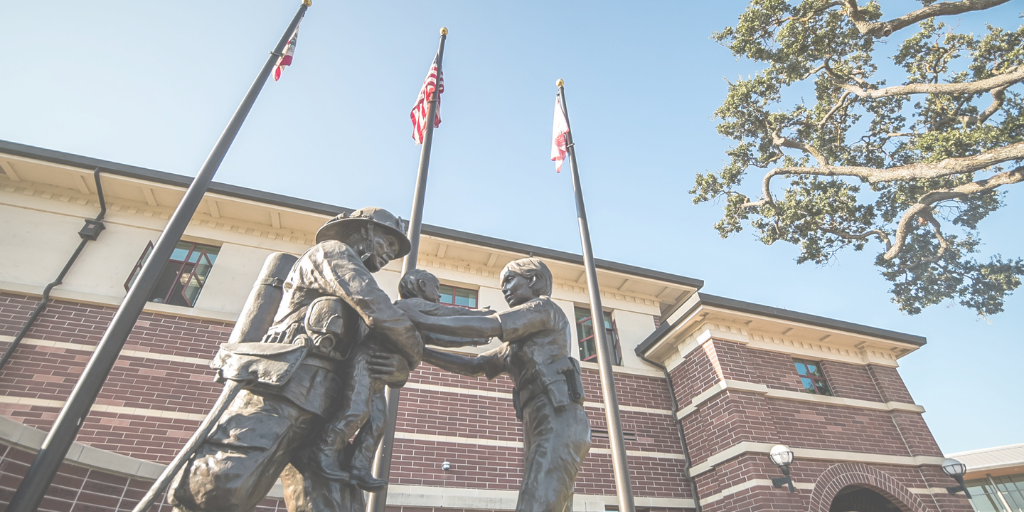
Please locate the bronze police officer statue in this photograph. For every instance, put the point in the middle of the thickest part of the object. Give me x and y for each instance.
(548, 394)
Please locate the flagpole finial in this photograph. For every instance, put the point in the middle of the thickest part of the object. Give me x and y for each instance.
(444, 31)
(307, 3)
(560, 83)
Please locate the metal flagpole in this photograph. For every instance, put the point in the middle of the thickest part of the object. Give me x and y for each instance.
(611, 402)
(58, 441)
(382, 464)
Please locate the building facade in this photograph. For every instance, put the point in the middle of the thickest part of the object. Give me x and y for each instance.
(706, 385)
(995, 477)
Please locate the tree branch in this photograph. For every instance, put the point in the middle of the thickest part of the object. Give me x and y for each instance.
(947, 167)
(980, 86)
(884, 28)
(838, 105)
(882, 235)
(943, 243)
(998, 96)
(924, 205)
(779, 140)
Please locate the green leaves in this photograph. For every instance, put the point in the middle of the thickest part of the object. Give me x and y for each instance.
(805, 121)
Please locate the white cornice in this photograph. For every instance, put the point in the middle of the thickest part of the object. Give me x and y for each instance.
(129, 212)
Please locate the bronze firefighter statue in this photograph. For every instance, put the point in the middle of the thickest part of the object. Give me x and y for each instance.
(304, 369)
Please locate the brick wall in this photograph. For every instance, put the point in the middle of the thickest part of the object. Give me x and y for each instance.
(161, 386)
(80, 489)
(734, 416)
(851, 381)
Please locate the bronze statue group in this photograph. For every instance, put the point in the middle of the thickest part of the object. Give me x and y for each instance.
(316, 412)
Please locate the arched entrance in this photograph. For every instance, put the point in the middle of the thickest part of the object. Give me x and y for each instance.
(856, 498)
(840, 487)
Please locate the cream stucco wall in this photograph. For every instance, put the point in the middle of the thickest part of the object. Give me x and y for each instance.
(633, 328)
(39, 233)
(231, 278)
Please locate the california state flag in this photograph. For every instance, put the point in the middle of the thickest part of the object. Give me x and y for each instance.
(558, 136)
(286, 59)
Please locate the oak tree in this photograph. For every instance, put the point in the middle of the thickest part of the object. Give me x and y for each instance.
(865, 131)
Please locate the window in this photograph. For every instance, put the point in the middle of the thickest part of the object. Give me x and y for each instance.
(182, 277)
(461, 297)
(588, 342)
(812, 377)
(986, 498)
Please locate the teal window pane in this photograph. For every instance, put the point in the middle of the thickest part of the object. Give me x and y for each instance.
(465, 298)
(447, 294)
(813, 369)
(800, 368)
(812, 377)
(455, 296)
(181, 251)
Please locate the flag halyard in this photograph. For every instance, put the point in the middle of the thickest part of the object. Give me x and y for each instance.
(559, 149)
(434, 81)
(286, 58)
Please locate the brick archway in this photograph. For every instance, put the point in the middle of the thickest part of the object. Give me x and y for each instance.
(840, 476)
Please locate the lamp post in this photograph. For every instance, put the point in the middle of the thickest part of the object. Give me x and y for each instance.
(956, 470)
(782, 457)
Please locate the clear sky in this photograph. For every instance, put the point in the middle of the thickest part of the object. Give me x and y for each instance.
(153, 84)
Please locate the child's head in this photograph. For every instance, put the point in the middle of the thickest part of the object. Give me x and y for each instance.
(419, 284)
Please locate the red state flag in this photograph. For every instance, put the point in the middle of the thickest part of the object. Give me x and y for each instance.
(434, 80)
(558, 135)
(286, 59)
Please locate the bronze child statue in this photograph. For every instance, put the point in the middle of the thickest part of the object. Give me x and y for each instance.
(548, 394)
(419, 290)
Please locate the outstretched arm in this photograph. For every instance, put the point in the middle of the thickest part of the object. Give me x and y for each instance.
(486, 326)
(440, 340)
(490, 363)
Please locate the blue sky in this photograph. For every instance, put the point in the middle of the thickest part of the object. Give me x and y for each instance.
(153, 84)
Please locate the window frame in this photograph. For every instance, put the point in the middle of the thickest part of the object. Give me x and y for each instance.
(815, 379)
(610, 328)
(476, 296)
(189, 270)
(138, 266)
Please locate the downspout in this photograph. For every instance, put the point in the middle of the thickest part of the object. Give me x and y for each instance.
(90, 231)
(687, 463)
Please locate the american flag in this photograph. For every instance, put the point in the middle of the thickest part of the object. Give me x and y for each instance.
(286, 59)
(434, 80)
(558, 133)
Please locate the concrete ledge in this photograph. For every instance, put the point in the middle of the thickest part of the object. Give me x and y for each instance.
(116, 409)
(758, 482)
(433, 438)
(813, 454)
(124, 353)
(31, 439)
(456, 497)
(508, 396)
(750, 387)
(114, 302)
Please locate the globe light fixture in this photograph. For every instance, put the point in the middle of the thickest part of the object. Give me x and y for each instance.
(782, 457)
(956, 470)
